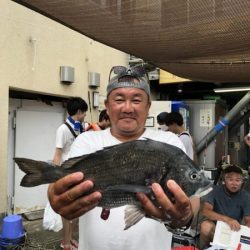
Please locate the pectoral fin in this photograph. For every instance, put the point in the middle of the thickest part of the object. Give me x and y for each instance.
(133, 214)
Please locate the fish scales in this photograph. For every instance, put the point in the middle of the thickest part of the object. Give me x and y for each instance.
(129, 175)
(135, 157)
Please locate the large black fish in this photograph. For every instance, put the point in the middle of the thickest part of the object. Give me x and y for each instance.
(122, 170)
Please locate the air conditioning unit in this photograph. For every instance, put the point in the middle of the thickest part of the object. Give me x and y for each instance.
(94, 79)
(67, 74)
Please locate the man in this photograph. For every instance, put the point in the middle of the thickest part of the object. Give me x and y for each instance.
(227, 202)
(103, 122)
(174, 121)
(161, 120)
(65, 135)
(127, 104)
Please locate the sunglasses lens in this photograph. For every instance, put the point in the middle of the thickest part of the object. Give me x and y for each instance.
(119, 69)
(139, 71)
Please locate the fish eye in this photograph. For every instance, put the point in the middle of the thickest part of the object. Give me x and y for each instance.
(194, 176)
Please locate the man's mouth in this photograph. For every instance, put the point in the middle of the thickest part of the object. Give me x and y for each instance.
(127, 117)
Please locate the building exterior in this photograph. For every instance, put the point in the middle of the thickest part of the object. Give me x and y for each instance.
(33, 48)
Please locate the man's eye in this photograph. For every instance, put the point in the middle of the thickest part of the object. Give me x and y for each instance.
(119, 100)
(137, 100)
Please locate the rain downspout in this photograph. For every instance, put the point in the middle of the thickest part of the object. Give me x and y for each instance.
(222, 123)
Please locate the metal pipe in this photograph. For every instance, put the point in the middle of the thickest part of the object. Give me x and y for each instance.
(222, 123)
(236, 124)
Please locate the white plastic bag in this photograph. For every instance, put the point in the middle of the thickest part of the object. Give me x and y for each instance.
(51, 220)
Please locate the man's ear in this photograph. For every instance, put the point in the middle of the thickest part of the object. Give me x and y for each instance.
(150, 103)
(223, 179)
(106, 106)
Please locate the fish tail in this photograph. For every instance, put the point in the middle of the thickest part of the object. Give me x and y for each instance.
(37, 172)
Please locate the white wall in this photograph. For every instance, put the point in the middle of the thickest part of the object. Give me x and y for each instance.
(35, 66)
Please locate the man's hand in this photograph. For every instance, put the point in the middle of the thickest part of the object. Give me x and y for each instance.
(179, 213)
(71, 196)
(234, 224)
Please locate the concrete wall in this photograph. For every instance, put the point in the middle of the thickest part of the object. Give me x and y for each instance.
(33, 48)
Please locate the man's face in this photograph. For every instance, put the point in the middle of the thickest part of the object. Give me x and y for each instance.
(105, 124)
(233, 182)
(80, 116)
(128, 110)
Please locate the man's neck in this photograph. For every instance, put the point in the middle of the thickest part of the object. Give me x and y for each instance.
(75, 118)
(180, 130)
(123, 137)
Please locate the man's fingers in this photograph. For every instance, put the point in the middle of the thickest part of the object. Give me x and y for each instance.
(80, 206)
(77, 191)
(179, 212)
(72, 196)
(68, 181)
(161, 197)
(178, 193)
(148, 206)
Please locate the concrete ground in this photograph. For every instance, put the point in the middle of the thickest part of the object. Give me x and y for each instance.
(39, 239)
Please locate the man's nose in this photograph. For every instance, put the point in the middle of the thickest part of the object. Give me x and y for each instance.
(128, 107)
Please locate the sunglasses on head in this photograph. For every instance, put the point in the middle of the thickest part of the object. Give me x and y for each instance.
(120, 71)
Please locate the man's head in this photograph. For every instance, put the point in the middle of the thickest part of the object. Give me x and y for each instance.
(104, 121)
(174, 121)
(161, 120)
(77, 108)
(134, 77)
(128, 101)
(233, 178)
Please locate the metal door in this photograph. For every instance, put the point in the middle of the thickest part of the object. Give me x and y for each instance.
(35, 139)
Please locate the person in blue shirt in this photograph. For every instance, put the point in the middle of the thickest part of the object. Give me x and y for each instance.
(227, 202)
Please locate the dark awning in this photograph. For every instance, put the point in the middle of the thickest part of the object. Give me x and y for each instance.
(196, 39)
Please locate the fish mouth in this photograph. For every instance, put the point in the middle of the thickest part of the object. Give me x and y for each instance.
(204, 190)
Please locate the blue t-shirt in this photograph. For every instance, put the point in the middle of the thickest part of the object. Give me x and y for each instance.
(236, 206)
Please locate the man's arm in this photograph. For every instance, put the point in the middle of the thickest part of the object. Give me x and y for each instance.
(246, 221)
(247, 140)
(57, 159)
(208, 211)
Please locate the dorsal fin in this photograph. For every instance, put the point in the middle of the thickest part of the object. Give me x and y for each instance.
(72, 161)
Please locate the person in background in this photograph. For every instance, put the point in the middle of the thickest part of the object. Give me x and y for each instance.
(247, 142)
(161, 119)
(227, 202)
(247, 139)
(174, 121)
(128, 102)
(103, 122)
(65, 135)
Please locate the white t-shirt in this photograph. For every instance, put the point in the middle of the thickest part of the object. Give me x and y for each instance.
(186, 139)
(97, 234)
(64, 140)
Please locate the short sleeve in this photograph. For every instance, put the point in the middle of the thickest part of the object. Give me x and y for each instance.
(246, 206)
(60, 138)
(209, 197)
